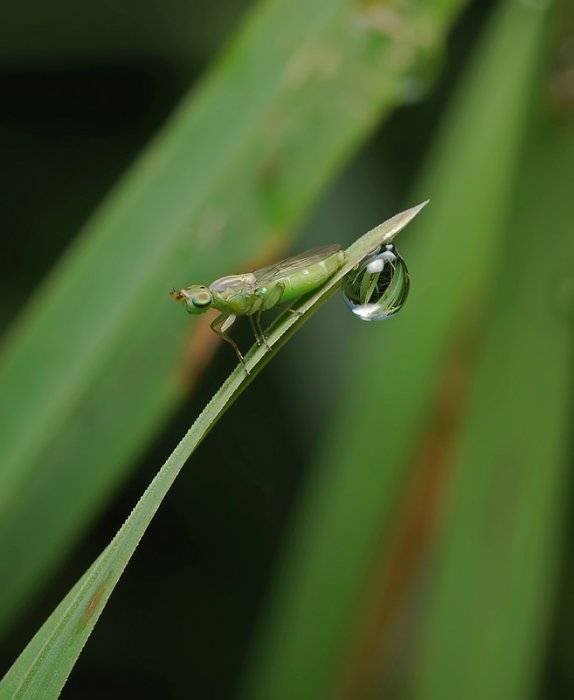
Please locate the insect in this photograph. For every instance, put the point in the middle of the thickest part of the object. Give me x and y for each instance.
(251, 293)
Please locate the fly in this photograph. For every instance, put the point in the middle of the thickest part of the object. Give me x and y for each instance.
(252, 293)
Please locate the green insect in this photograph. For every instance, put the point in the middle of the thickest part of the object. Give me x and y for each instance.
(252, 293)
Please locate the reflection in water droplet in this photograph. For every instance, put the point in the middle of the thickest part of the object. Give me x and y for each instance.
(379, 286)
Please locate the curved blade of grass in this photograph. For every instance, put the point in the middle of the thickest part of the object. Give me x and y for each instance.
(345, 513)
(42, 669)
(501, 538)
(93, 367)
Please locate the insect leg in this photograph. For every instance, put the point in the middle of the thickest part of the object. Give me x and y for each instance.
(256, 329)
(290, 310)
(285, 307)
(261, 331)
(219, 326)
(271, 300)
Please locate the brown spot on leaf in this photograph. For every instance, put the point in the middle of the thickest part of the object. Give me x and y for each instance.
(93, 606)
(381, 19)
(270, 170)
(398, 564)
(312, 62)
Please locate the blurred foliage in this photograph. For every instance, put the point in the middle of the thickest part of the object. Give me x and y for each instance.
(353, 490)
(84, 91)
(501, 531)
(223, 184)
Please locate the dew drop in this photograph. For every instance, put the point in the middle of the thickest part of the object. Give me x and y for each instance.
(379, 286)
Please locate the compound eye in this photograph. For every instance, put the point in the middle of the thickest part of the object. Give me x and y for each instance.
(201, 300)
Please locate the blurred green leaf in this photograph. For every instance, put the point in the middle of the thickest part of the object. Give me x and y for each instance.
(501, 537)
(42, 669)
(93, 368)
(452, 256)
(138, 29)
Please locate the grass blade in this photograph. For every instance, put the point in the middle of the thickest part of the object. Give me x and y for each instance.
(95, 358)
(347, 506)
(42, 669)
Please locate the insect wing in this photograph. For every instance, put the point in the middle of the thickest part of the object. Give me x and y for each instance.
(284, 268)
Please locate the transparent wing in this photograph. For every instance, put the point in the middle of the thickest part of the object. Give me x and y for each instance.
(284, 268)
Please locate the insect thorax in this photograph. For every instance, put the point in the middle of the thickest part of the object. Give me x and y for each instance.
(233, 293)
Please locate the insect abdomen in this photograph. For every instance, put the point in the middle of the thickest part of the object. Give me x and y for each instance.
(311, 277)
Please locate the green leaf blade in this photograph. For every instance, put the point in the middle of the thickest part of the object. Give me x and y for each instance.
(44, 666)
(98, 352)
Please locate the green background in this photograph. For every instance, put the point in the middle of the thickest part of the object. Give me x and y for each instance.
(386, 511)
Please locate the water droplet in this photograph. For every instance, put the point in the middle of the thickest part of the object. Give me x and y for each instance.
(379, 286)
